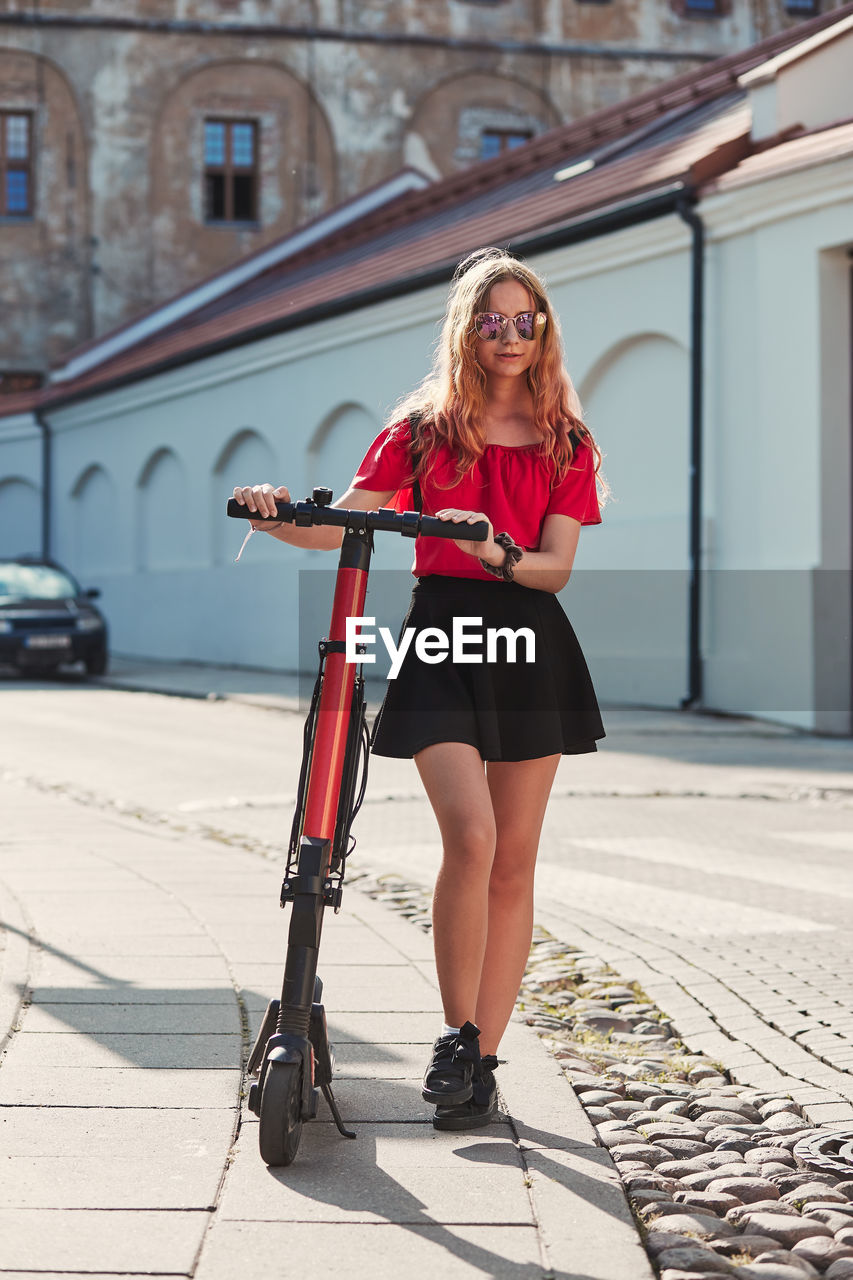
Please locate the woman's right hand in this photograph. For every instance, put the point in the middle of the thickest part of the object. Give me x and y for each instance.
(262, 499)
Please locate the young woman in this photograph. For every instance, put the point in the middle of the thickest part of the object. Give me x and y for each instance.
(494, 433)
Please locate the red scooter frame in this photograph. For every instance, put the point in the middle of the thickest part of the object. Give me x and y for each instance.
(292, 1056)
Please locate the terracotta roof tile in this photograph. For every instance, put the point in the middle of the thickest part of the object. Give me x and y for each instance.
(686, 133)
(440, 241)
(19, 402)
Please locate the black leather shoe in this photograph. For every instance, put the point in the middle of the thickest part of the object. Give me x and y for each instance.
(450, 1073)
(480, 1109)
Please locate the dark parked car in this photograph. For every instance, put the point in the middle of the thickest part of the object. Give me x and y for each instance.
(47, 619)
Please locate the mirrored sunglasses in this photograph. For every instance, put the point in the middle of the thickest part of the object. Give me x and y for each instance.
(528, 324)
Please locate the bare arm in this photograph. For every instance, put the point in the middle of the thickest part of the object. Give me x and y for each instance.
(263, 497)
(547, 569)
(550, 568)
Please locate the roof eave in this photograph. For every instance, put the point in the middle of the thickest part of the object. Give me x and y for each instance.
(586, 226)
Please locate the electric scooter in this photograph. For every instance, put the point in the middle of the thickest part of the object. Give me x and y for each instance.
(292, 1057)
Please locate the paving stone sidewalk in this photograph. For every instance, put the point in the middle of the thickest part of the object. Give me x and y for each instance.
(135, 967)
(721, 880)
(707, 859)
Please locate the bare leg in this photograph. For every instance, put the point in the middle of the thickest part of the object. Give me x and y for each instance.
(519, 793)
(455, 780)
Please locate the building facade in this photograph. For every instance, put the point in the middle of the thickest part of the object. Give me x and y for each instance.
(144, 146)
(740, 176)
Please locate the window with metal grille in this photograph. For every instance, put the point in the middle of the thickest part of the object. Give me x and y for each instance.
(230, 171)
(493, 142)
(16, 164)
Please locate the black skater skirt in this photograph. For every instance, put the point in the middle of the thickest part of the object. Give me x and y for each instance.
(508, 710)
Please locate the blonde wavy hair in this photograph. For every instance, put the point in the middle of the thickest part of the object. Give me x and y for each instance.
(449, 406)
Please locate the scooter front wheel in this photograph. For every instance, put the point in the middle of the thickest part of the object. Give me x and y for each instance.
(281, 1113)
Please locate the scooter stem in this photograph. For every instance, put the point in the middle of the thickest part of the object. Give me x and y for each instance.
(324, 779)
(323, 788)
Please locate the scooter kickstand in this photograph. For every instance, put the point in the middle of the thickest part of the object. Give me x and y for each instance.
(336, 1115)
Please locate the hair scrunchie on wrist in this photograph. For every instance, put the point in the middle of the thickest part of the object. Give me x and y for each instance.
(513, 553)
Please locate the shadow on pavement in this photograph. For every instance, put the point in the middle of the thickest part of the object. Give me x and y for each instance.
(142, 1021)
(378, 1192)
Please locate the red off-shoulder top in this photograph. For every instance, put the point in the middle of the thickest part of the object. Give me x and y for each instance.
(512, 485)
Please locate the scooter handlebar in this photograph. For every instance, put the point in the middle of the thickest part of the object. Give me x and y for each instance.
(409, 523)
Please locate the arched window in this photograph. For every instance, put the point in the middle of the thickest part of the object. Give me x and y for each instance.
(474, 117)
(240, 145)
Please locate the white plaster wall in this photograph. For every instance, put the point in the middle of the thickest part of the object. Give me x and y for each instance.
(817, 90)
(764, 448)
(624, 307)
(302, 409)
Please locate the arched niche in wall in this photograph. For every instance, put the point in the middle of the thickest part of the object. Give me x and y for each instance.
(450, 120)
(94, 522)
(334, 452)
(338, 445)
(161, 495)
(335, 448)
(636, 400)
(246, 458)
(45, 253)
(20, 518)
(295, 166)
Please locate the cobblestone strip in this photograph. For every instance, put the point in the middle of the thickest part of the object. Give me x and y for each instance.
(721, 1176)
(714, 1019)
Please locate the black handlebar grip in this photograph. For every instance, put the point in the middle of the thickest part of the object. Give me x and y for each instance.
(435, 528)
(238, 511)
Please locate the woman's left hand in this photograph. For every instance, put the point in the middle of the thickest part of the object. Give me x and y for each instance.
(488, 550)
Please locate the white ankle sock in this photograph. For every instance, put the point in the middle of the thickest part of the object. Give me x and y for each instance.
(450, 1031)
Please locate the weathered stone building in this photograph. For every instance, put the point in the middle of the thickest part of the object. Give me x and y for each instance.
(144, 145)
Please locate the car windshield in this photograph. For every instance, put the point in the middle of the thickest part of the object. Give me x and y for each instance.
(35, 582)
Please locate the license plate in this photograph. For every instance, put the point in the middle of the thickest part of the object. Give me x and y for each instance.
(48, 642)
